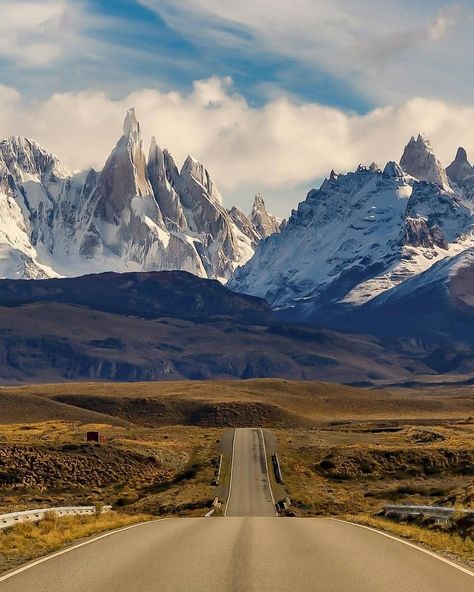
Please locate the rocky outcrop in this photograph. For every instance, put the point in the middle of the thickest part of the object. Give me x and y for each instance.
(417, 232)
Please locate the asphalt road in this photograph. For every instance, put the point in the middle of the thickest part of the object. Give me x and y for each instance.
(243, 553)
(250, 493)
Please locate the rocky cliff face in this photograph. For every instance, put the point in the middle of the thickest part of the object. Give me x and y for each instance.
(134, 215)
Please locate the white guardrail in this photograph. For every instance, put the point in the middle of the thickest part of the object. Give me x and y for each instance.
(7, 520)
(438, 512)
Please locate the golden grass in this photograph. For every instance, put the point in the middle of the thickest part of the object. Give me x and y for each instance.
(30, 540)
(443, 542)
(310, 400)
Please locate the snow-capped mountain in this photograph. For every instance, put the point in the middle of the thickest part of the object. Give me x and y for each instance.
(431, 312)
(259, 224)
(137, 214)
(363, 233)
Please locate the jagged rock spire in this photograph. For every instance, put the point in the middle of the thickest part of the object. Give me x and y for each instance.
(461, 155)
(164, 177)
(392, 170)
(131, 127)
(192, 168)
(461, 172)
(419, 161)
(265, 223)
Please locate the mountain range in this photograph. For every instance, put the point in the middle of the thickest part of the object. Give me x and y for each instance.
(370, 279)
(168, 325)
(365, 244)
(137, 214)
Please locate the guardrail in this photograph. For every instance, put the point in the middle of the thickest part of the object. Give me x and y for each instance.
(219, 470)
(7, 520)
(439, 512)
(277, 468)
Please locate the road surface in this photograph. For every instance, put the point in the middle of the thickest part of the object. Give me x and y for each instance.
(242, 553)
(250, 493)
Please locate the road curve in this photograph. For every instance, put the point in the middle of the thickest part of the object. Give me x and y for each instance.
(250, 493)
(247, 554)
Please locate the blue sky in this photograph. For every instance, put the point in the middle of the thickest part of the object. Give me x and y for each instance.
(288, 89)
(139, 49)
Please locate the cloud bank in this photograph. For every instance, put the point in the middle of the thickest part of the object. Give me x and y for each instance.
(35, 33)
(280, 148)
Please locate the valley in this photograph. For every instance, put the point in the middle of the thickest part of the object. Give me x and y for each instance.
(236, 296)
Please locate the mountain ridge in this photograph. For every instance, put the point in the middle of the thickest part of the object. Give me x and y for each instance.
(165, 326)
(136, 214)
(362, 234)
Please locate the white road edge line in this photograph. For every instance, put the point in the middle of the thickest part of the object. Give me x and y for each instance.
(412, 545)
(268, 473)
(231, 474)
(74, 547)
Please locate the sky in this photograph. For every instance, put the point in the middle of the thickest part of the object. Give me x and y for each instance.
(269, 94)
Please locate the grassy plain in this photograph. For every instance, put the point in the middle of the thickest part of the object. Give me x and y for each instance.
(344, 451)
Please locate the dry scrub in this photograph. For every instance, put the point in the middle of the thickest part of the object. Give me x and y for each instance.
(30, 540)
(443, 542)
(358, 467)
(154, 470)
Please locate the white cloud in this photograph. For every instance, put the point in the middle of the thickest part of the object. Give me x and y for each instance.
(440, 27)
(278, 148)
(382, 49)
(35, 33)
